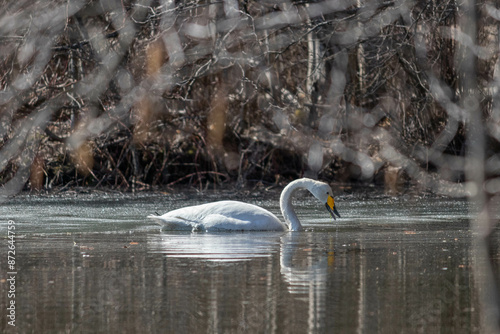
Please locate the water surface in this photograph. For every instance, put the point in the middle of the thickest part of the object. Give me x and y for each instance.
(93, 263)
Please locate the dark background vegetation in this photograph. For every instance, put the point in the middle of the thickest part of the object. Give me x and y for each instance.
(130, 94)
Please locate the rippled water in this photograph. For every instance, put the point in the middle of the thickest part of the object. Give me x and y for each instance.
(93, 263)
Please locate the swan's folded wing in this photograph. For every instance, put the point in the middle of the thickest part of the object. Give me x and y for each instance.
(218, 222)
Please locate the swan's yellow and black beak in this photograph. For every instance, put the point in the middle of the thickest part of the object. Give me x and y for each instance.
(330, 206)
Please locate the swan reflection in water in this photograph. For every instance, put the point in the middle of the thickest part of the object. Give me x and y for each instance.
(301, 265)
(215, 247)
(304, 260)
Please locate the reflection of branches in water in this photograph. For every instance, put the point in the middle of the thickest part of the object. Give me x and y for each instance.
(138, 93)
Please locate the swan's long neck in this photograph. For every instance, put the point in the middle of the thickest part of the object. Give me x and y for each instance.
(286, 203)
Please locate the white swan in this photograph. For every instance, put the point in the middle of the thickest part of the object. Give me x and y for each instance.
(234, 215)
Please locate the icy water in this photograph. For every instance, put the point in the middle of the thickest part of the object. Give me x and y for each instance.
(94, 264)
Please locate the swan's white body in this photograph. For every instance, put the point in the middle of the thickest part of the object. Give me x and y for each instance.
(234, 215)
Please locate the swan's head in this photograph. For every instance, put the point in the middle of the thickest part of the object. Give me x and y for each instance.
(323, 192)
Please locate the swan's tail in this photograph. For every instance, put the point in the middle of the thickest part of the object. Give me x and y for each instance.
(172, 223)
(156, 218)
